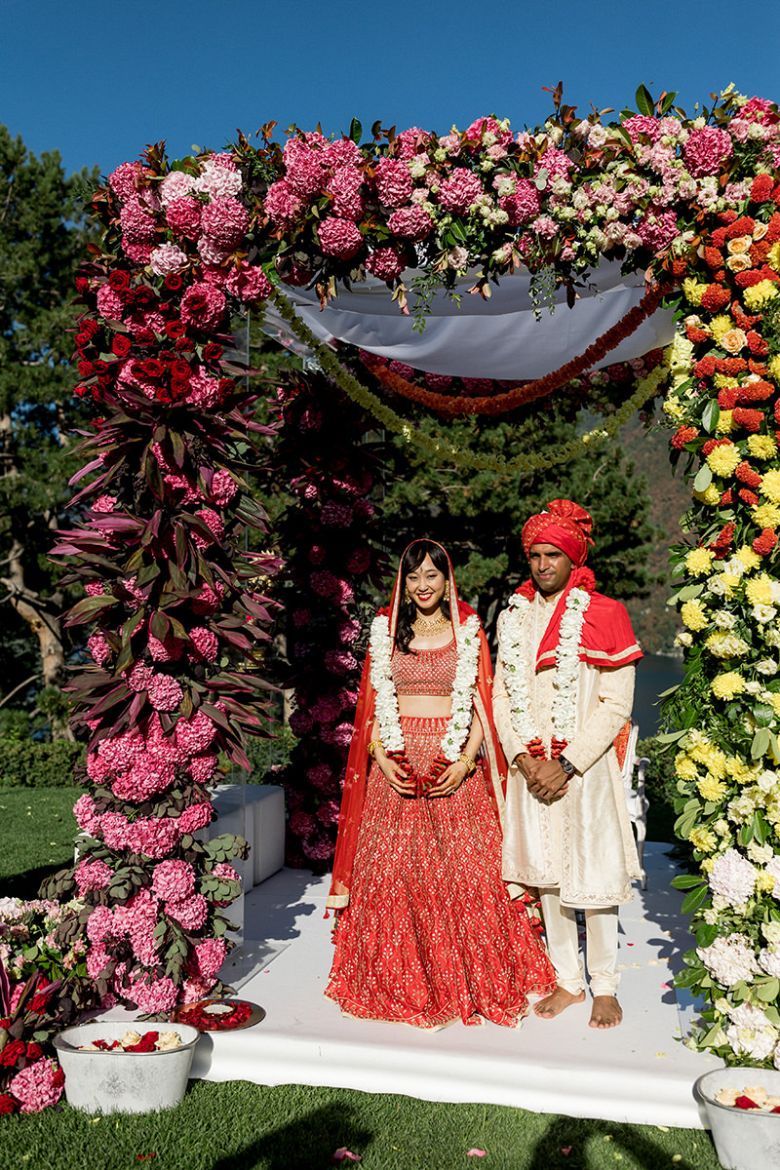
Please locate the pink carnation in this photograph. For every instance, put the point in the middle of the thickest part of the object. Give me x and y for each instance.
(38, 1086)
(478, 129)
(225, 221)
(153, 995)
(138, 226)
(109, 303)
(203, 307)
(173, 881)
(249, 283)
(205, 643)
(460, 191)
(125, 180)
(168, 258)
(657, 229)
(195, 817)
(642, 124)
(165, 693)
(385, 263)
(412, 222)
(209, 955)
(394, 183)
(339, 237)
(183, 217)
(282, 205)
(190, 912)
(760, 110)
(100, 648)
(555, 162)
(92, 875)
(706, 150)
(345, 187)
(523, 205)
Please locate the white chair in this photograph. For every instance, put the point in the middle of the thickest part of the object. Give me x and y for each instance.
(634, 774)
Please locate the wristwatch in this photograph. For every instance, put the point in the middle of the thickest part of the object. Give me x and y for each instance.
(567, 765)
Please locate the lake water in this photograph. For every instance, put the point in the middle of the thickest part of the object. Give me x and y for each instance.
(654, 675)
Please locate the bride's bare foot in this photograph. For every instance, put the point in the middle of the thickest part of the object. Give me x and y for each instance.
(607, 1012)
(552, 1005)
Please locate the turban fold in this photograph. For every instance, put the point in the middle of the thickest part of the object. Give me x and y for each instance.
(563, 524)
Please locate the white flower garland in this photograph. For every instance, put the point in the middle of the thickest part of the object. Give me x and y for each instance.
(459, 723)
(514, 652)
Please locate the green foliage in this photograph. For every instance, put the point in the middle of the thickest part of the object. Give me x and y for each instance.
(28, 763)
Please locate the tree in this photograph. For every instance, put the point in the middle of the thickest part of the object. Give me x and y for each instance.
(42, 241)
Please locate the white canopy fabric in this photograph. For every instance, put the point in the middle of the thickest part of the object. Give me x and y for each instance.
(499, 338)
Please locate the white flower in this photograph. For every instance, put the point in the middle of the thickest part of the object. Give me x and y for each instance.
(771, 932)
(724, 620)
(760, 854)
(767, 780)
(763, 613)
(769, 961)
(766, 666)
(773, 868)
(733, 878)
(684, 638)
(730, 960)
(751, 1033)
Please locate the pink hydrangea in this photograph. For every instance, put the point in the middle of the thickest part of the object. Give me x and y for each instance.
(328, 812)
(302, 824)
(318, 848)
(104, 504)
(339, 237)
(409, 142)
(85, 812)
(119, 751)
(147, 777)
(154, 836)
(190, 912)
(98, 959)
(139, 677)
(183, 217)
(209, 955)
(345, 189)
(249, 283)
(342, 153)
(301, 722)
(95, 589)
(168, 258)
(138, 919)
(340, 661)
(100, 648)
(138, 226)
(195, 817)
(225, 221)
(203, 306)
(458, 193)
(215, 525)
(657, 228)
(208, 598)
(359, 561)
(38, 1086)
(173, 880)
(225, 871)
(202, 768)
(165, 693)
(153, 995)
(126, 180)
(385, 263)
(137, 253)
(223, 487)
(204, 390)
(412, 222)
(523, 205)
(219, 177)
(305, 167)
(282, 205)
(393, 180)
(193, 990)
(109, 303)
(97, 768)
(339, 736)
(176, 185)
(115, 831)
(101, 927)
(320, 776)
(92, 875)
(706, 150)
(168, 650)
(641, 124)
(196, 734)
(205, 643)
(556, 163)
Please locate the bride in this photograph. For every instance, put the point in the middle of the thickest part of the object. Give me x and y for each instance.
(427, 933)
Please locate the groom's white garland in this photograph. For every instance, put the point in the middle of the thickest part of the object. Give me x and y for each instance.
(514, 650)
(459, 723)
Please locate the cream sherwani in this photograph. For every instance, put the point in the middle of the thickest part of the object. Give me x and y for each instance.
(582, 843)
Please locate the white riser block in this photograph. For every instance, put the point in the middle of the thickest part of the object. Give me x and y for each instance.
(268, 816)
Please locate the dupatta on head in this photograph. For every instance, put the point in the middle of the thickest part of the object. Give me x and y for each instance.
(358, 760)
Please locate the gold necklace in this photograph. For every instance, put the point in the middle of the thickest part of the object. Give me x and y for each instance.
(429, 625)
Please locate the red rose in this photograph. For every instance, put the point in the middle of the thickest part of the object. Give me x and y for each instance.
(144, 296)
(174, 329)
(145, 337)
(212, 352)
(82, 285)
(153, 368)
(119, 279)
(86, 369)
(34, 1051)
(185, 344)
(121, 345)
(12, 1053)
(174, 281)
(100, 367)
(8, 1103)
(80, 391)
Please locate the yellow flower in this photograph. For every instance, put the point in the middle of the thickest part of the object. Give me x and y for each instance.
(759, 294)
(698, 561)
(727, 685)
(720, 325)
(725, 382)
(703, 839)
(765, 882)
(715, 762)
(712, 789)
(773, 365)
(694, 615)
(673, 408)
(738, 770)
(762, 446)
(748, 558)
(774, 699)
(767, 515)
(759, 590)
(724, 644)
(693, 290)
(770, 486)
(707, 864)
(685, 767)
(725, 423)
(773, 258)
(724, 459)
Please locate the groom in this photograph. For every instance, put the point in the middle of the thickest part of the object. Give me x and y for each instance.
(563, 691)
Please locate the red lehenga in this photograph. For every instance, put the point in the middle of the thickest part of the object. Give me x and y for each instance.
(427, 933)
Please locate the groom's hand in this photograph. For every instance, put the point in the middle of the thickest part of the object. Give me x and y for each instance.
(548, 781)
(528, 765)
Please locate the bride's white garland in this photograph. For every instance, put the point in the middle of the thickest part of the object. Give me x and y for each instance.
(514, 651)
(459, 723)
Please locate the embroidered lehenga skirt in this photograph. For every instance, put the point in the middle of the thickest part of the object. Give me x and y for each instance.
(430, 934)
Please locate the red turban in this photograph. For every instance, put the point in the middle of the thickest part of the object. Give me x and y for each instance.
(565, 525)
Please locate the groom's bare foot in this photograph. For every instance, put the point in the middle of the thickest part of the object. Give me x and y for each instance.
(607, 1012)
(552, 1005)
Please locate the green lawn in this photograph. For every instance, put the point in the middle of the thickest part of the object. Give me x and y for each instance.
(239, 1126)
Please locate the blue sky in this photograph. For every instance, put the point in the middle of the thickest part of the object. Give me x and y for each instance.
(98, 79)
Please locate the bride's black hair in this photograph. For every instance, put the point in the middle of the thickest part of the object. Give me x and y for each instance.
(407, 610)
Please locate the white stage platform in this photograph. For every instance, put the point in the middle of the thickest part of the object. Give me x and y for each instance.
(640, 1072)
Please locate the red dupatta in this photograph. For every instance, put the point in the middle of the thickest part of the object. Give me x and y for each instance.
(358, 761)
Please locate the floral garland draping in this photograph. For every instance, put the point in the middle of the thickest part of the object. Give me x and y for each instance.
(694, 201)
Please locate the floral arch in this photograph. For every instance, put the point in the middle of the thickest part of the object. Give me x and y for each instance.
(178, 608)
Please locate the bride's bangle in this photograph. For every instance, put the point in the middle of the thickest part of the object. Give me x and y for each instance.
(471, 766)
(372, 747)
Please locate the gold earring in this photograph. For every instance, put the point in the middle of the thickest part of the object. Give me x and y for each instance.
(447, 591)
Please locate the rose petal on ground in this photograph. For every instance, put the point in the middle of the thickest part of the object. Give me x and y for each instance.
(475, 1152)
(342, 1154)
